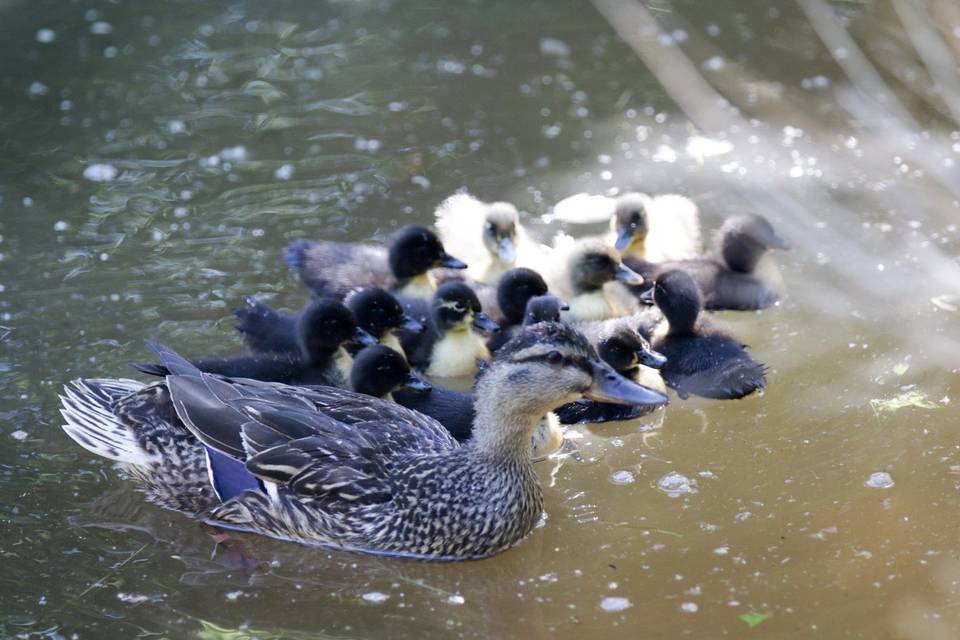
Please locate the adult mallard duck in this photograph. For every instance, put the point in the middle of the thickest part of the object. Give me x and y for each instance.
(261, 458)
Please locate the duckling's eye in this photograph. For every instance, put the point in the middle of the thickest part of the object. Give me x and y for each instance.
(490, 227)
(554, 357)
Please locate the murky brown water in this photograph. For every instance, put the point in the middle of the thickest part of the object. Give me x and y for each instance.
(228, 128)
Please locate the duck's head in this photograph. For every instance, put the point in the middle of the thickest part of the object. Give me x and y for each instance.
(592, 264)
(679, 298)
(379, 371)
(515, 289)
(500, 231)
(325, 326)
(745, 238)
(545, 308)
(547, 365)
(629, 221)
(414, 250)
(624, 349)
(455, 307)
(379, 313)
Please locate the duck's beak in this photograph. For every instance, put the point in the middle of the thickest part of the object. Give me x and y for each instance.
(651, 358)
(624, 238)
(411, 324)
(506, 251)
(610, 386)
(564, 305)
(363, 338)
(483, 322)
(448, 261)
(776, 242)
(416, 383)
(627, 275)
(646, 296)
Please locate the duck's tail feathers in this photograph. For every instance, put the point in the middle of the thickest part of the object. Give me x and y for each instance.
(294, 254)
(88, 411)
(171, 362)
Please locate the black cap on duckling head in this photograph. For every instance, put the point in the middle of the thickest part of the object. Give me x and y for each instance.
(593, 264)
(414, 250)
(379, 370)
(745, 238)
(629, 220)
(325, 325)
(515, 289)
(680, 300)
(624, 349)
(455, 303)
(500, 231)
(378, 312)
(545, 308)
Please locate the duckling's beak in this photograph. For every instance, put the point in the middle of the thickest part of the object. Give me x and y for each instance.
(610, 386)
(506, 251)
(448, 261)
(363, 338)
(564, 305)
(651, 358)
(776, 242)
(483, 322)
(416, 383)
(624, 238)
(646, 296)
(627, 275)
(411, 324)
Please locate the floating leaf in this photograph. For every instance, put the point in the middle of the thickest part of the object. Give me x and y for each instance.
(753, 619)
(901, 368)
(912, 398)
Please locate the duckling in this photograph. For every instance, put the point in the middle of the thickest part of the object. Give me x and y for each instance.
(336, 268)
(701, 359)
(462, 220)
(589, 266)
(514, 290)
(400, 486)
(632, 357)
(266, 330)
(452, 344)
(545, 308)
(323, 330)
(380, 371)
(738, 278)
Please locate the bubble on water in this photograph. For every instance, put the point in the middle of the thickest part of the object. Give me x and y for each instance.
(61, 225)
(376, 597)
(689, 607)
(675, 484)
(234, 154)
(101, 28)
(612, 604)
(284, 172)
(19, 434)
(176, 126)
(37, 89)
(46, 36)
(554, 47)
(456, 599)
(880, 480)
(622, 477)
(664, 153)
(722, 550)
(100, 172)
(716, 63)
(233, 596)
(132, 598)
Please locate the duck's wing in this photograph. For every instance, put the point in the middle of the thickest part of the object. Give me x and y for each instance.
(264, 367)
(674, 223)
(266, 330)
(337, 268)
(459, 223)
(711, 366)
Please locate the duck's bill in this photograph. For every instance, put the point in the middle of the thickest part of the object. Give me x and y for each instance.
(412, 324)
(363, 338)
(483, 322)
(627, 275)
(651, 358)
(610, 386)
(776, 242)
(415, 383)
(450, 262)
(506, 251)
(564, 305)
(646, 296)
(624, 238)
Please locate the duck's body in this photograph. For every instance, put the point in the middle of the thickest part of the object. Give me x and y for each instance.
(337, 268)
(398, 485)
(741, 276)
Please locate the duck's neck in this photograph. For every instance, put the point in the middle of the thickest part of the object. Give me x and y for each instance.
(421, 286)
(389, 339)
(504, 422)
(343, 363)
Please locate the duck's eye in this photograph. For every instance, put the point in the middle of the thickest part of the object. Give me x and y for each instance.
(490, 227)
(554, 357)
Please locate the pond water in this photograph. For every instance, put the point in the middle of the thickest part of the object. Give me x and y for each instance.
(158, 156)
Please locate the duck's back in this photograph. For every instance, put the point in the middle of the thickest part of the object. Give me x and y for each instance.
(453, 409)
(336, 268)
(710, 365)
(266, 330)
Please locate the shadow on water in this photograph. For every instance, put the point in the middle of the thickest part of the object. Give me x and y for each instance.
(158, 156)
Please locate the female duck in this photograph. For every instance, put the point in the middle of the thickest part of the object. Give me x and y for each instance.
(399, 485)
(266, 330)
(590, 266)
(323, 331)
(336, 268)
(452, 344)
(738, 278)
(701, 359)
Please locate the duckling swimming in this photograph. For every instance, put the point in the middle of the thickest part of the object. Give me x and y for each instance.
(507, 308)
(545, 308)
(336, 268)
(488, 236)
(701, 359)
(323, 332)
(400, 485)
(739, 278)
(452, 344)
(589, 266)
(266, 330)
(380, 371)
